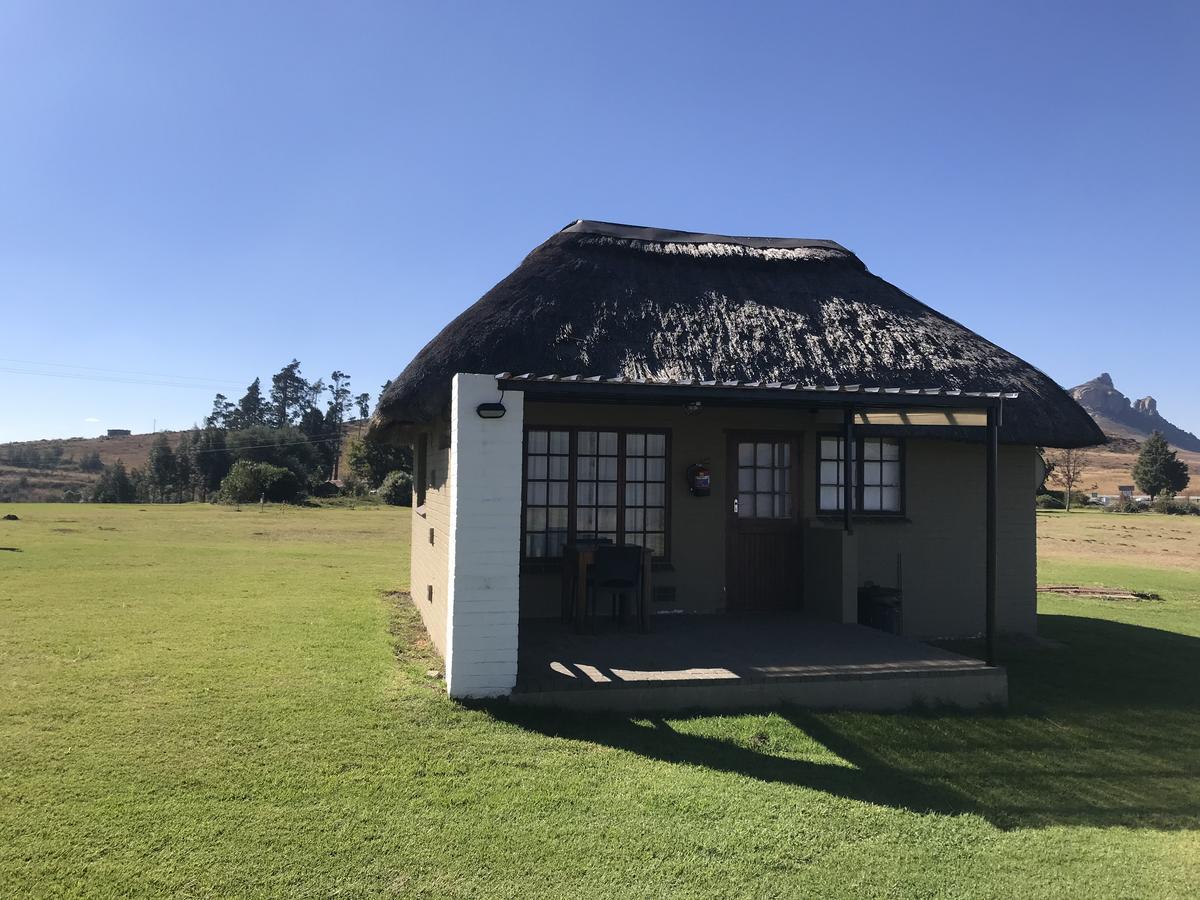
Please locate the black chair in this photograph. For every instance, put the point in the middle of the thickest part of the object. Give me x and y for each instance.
(570, 578)
(617, 571)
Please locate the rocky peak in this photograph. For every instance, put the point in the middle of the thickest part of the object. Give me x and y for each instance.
(1117, 416)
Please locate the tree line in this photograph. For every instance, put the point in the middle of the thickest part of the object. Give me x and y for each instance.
(24, 456)
(282, 446)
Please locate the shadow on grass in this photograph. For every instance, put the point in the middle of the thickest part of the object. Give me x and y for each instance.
(1103, 732)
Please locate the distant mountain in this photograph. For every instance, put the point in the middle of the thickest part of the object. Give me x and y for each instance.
(1118, 417)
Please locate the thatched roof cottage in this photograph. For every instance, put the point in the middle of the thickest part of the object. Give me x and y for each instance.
(693, 396)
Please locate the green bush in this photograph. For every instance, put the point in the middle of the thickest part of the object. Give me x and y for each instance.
(1170, 506)
(1078, 498)
(249, 481)
(1126, 505)
(354, 487)
(371, 461)
(1048, 501)
(396, 489)
(90, 462)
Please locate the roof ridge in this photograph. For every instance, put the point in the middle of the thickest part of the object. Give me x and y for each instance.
(673, 236)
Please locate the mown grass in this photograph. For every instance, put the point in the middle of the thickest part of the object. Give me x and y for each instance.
(202, 702)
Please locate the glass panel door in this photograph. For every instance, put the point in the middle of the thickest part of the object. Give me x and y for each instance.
(764, 473)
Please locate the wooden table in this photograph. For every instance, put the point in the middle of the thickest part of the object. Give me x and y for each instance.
(576, 559)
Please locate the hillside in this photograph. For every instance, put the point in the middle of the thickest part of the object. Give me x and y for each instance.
(49, 484)
(1110, 466)
(1117, 416)
(21, 483)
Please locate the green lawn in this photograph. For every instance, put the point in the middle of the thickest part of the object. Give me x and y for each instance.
(196, 701)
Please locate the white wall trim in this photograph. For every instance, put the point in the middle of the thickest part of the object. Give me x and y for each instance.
(485, 540)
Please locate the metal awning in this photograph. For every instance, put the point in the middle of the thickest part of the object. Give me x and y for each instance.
(870, 400)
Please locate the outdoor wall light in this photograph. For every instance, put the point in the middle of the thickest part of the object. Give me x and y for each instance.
(692, 408)
(490, 410)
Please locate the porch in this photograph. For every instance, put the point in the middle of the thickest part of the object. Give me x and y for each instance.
(766, 530)
(737, 662)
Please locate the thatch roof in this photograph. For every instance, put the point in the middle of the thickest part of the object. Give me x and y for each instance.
(617, 300)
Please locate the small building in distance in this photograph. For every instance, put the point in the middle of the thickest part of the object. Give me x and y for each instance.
(119, 432)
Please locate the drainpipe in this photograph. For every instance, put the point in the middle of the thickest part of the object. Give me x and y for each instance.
(994, 415)
(848, 469)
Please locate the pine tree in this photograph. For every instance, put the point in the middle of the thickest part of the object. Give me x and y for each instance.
(114, 486)
(1158, 469)
(291, 395)
(222, 409)
(339, 404)
(251, 409)
(185, 468)
(212, 459)
(161, 468)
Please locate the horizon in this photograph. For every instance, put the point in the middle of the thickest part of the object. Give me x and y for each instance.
(195, 196)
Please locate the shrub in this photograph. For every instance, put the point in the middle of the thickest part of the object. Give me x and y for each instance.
(71, 496)
(1078, 498)
(286, 447)
(1048, 501)
(354, 487)
(324, 489)
(1126, 505)
(90, 462)
(1170, 506)
(396, 489)
(248, 481)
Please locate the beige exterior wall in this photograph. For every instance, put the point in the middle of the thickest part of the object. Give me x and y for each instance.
(430, 540)
(940, 540)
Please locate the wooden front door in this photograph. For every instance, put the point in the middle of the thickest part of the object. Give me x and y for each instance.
(763, 554)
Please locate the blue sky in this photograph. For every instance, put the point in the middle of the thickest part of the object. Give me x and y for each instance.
(202, 191)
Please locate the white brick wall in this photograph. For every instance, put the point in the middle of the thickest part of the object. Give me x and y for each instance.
(484, 541)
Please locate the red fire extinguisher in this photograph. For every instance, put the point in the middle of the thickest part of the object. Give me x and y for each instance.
(699, 480)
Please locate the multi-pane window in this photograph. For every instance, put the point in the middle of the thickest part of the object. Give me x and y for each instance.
(547, 494)
(877, 477)
(764, 480)
(830, 493)
(593, 484)
(596, 485)
(646, 490)
(880, 475)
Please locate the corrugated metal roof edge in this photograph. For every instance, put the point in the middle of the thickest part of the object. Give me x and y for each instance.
(758, 385)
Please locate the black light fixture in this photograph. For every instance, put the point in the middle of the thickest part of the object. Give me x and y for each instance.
(490, 410)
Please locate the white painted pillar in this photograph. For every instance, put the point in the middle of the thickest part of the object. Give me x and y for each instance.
(485, 540)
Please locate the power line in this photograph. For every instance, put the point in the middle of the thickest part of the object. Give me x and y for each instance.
(328, 440)
(29, 362)
(113, 379)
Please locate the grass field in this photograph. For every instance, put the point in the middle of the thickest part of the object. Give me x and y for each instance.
(199, 702)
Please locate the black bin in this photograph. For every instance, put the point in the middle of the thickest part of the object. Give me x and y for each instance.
(881, 607)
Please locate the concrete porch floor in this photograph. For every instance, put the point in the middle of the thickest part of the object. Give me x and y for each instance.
(727, 662)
